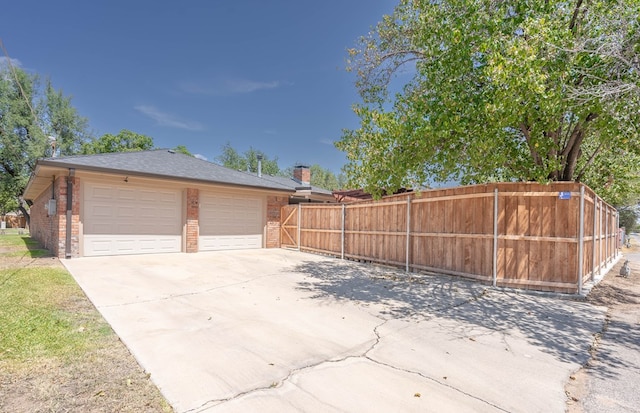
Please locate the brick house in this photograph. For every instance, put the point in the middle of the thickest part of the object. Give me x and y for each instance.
(157, 201)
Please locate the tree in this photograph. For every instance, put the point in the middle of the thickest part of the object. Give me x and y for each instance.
(124, 141)
(28, 115)
(248, 161)
(21, 140)
(543, 90)
(629, 217)
(183, 150)
(62, 122)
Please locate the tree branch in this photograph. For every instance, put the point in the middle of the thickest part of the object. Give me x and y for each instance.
(589, 162)
(527, 136)
(574, 18)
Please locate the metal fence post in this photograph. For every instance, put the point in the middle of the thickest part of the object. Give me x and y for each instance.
(495, 237)
(408, 244)
(342, 235)
(581, 242)
(618, 240)
(299, 225)
(606, 236)
(600, 246)
(593, 249)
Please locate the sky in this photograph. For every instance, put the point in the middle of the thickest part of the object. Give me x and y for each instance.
(267, 74)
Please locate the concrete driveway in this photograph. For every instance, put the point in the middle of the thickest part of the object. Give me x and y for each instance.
(276, 331)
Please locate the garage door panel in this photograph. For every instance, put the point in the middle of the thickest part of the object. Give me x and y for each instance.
(126, 212)
(126, 194)
(131, 220)
(101, 192)
(130, 244)
(229, 221)
(230, 242)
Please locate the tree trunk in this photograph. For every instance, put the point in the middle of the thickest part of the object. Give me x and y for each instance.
(573, 149)
(24, 211)
(572, 161)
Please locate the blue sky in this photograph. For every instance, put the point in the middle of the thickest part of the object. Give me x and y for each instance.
(265, 74)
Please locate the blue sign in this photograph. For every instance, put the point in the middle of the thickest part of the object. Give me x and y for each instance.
(564, 195)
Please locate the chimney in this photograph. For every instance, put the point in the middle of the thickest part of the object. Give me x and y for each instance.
(302, 174)
(259, 165)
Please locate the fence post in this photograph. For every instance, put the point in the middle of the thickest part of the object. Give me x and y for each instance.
(299, 225)
(581, 242)
(495, 237)
(408, 244)
(600, 249)
(342, 235)
(618, 240)
(593, 250)
(606, 237)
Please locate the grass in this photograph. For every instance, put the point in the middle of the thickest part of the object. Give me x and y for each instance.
(15, 240)
(56, 352)
(35, 315)
(34, 321)
(14, 245)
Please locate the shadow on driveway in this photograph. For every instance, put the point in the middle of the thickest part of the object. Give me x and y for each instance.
(561, 327)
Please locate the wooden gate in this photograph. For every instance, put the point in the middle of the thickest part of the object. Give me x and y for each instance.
(289, 226)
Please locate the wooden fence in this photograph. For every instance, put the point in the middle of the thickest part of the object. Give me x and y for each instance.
(552, 237)
(13, 221)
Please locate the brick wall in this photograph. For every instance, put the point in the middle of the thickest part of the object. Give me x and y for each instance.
(274, 204)
(50, 230)
(41, 225)
(193, 214)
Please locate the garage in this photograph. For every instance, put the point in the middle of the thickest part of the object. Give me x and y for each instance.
(130, 219)
(230, 221)
(157, 201)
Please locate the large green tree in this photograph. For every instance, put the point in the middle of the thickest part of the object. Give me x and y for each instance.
(247, 161)
(124, 141)
(478, 91)
(61, 121)
(21, 140)
(29, 115)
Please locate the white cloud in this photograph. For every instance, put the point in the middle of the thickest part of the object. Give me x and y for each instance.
(167, 119)
(14, 62)
(248, 86)
(223, 87)
(197, 155)
(326, 142)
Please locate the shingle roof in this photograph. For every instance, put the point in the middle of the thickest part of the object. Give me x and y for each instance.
(169, 164)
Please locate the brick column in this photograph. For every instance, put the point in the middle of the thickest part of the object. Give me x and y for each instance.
(274, 205)
(60, 222)
(193, 214)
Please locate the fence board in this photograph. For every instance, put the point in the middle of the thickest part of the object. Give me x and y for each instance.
(451, 231)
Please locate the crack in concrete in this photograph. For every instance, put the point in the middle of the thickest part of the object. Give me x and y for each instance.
(420, 374)
(293, 372)
(365, 355)
(447, 385)
(191, 293)
(593, 357)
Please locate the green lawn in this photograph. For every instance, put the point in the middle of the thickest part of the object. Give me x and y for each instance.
(34, 308)
(14, 245)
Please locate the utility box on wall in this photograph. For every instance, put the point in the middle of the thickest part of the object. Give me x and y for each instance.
(51, 207)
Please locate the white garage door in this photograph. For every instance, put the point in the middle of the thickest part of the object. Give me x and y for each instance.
(229, 221)
(130, 219)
